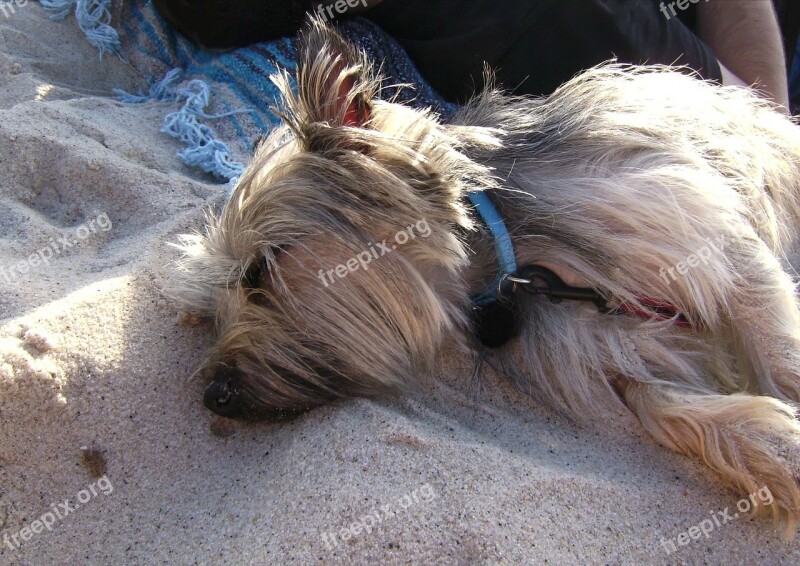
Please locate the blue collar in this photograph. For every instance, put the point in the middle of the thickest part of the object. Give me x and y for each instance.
(502, 245)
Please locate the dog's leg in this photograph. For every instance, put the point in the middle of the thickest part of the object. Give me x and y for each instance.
(765, 322)
(741, 437)
(761, 302)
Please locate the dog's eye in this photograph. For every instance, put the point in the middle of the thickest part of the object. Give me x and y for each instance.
(258, 298)
(252, 277)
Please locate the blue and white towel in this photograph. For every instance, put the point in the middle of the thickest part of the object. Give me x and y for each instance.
(218, 103)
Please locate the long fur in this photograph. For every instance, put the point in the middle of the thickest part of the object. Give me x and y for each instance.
(620, 174)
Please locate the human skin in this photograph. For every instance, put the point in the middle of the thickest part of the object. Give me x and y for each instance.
(745, 37)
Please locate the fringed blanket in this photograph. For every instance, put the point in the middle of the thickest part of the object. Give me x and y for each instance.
(218, 104)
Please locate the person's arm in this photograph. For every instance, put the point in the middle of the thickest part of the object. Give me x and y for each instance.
(746, 39)
(730, 79)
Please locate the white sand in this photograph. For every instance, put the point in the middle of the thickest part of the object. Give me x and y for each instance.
(92, 355)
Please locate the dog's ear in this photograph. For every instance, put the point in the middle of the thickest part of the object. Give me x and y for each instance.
(335, 80)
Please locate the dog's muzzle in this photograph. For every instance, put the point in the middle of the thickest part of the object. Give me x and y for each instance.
(223, 395)
(226, 397)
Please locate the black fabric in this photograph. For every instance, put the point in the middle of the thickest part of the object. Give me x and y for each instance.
(533, 45)
(225, 24)
(536, 45)
(789, 18)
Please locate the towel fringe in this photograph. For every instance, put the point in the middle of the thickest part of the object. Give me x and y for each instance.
(204, 149)
(94, 19)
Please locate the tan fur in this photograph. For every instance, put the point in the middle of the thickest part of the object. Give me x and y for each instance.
(621, 173)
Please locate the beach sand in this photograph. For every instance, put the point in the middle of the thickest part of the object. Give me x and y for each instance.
(92, 356)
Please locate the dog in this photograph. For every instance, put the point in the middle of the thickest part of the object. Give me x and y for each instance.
(672, 202)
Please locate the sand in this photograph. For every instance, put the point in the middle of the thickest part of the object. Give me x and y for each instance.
(97, 409)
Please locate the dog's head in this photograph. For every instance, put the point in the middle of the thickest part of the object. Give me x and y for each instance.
(333, 270)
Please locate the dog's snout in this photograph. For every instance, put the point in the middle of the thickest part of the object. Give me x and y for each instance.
(227, 397)
(222, 396)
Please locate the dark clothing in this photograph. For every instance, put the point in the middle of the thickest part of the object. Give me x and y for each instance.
(533, 45)
(224, 24)
(536, 45)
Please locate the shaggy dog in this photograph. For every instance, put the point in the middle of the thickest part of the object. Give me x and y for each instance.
(671, 199)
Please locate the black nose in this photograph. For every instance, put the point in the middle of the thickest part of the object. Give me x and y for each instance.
(226, 397)
(223, 395)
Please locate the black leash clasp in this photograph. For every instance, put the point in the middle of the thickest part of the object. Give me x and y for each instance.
(497, 323)
(538, 280)
(495, 320)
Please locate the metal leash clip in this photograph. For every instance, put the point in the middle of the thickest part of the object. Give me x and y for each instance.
(538, 280)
